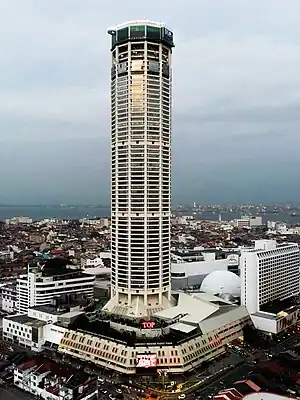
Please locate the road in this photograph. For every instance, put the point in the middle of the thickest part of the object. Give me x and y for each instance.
(12, 393)
(110, 389)
(225, 381)
(244, 370)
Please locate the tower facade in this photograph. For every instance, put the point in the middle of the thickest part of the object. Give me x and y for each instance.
(141, 109)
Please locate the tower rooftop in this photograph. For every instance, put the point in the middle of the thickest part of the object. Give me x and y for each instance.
(137, 23)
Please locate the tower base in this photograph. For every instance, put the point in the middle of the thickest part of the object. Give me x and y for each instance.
(136, 307)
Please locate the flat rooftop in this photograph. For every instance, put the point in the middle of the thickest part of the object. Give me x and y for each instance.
(25, 320)
(51, 310)
(101, 328)
(276, 306)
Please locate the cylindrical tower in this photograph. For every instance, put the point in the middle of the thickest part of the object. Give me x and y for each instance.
(141, 107)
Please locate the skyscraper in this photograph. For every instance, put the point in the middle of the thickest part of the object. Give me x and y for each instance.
(141, 107)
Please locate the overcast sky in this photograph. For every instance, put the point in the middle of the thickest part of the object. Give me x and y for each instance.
(236, 128)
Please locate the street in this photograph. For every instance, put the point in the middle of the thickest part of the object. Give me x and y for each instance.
(223, 382)
(12, 393)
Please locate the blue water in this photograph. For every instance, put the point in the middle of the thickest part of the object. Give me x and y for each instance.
(40, 212)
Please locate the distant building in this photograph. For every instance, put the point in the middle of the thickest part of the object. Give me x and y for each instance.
(247, 222)
(39, 286)
(271, 225)
(18, 220)
(241, 223)
(270, 276)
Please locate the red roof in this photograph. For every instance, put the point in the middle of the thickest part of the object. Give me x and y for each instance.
(228, 394)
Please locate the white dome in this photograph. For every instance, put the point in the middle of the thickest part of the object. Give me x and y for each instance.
(220, 282)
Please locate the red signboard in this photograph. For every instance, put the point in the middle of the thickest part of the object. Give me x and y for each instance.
(148, 325)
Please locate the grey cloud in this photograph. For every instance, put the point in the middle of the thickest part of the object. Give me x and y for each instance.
(236, 84)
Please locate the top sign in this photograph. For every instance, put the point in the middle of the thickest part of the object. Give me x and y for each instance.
(148, 325)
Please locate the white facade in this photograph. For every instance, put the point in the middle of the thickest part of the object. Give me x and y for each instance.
(24, 331)
(41, 325)
(185, 274)
(9, 298)
(247, 222)
(241, 223)
(204, 267)
(269, 272)
(35, 289)
(141, 106)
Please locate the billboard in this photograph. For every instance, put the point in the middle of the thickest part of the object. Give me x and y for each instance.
(287, 320)
(146, 361)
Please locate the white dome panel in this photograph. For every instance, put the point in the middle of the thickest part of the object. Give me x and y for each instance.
(221, 282)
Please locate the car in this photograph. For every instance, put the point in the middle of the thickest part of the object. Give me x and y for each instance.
(119, 391)
(181, 396)
(104, 391)
(111, 397)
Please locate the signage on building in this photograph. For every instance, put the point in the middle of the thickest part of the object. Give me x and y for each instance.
(148, 324)
(233, 260)
(290, 319)
(146, 361)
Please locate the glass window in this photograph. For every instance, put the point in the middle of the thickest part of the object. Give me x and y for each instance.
(122, 34)
(137, 31)
(153, 32)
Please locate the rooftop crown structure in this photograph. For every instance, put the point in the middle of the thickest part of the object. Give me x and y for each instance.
(141, 106)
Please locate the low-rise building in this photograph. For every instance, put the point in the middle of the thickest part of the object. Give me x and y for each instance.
(24, 331)
(38, 326)
(47, 379)
(9, 298)
(247, 222)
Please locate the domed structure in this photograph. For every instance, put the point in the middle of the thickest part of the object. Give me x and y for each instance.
(221, 282)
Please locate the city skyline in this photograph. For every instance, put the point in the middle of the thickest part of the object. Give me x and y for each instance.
(235, 100)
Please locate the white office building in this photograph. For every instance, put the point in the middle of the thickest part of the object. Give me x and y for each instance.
(270, 275)
(141, 107)
(39, 286)
(42, 325)
(247, 222)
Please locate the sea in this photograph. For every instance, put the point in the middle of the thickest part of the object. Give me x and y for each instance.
(77, 212)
